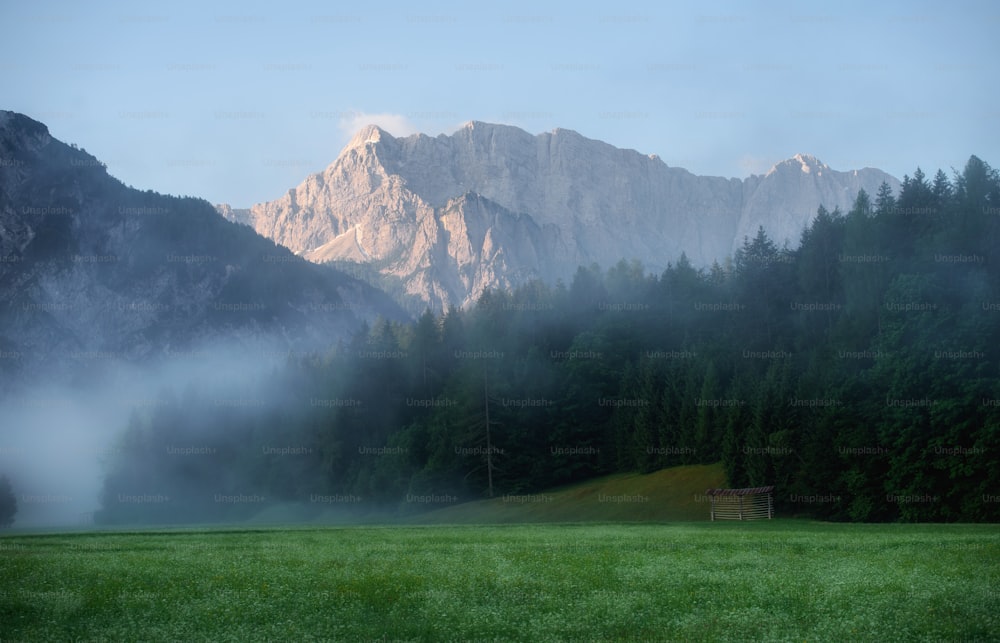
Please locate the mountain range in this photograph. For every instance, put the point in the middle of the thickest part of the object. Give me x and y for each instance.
(438, 220)
(93, 271)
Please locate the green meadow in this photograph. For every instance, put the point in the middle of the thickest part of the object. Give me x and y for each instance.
(771, 580)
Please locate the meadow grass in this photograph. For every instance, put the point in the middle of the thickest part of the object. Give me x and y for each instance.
(771, 580)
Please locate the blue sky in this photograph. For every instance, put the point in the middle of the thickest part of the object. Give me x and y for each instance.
(238, 103)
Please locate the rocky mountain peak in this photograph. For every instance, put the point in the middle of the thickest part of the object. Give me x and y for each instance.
(483, 127)
(481, 130)
(800, 163)
(368, 134)
(808, 162)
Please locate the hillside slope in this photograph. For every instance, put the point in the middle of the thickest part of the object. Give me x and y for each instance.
(677, 493)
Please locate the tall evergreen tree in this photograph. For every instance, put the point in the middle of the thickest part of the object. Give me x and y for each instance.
(885, 202)
(8, 502)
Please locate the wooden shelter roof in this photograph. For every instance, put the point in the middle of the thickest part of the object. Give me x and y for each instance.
(748, 491)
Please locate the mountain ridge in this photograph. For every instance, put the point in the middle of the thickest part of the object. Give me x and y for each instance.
(597, 203)
(94, 269)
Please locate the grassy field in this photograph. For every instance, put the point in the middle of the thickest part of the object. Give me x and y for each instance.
(778, 580)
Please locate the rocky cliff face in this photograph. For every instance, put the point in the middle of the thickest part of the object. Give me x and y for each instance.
(94, 273)
(492, 205)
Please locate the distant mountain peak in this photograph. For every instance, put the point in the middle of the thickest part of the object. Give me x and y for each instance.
(805, 163)
(368, 134)
(808, 161)
(486, 125)
(481, 128)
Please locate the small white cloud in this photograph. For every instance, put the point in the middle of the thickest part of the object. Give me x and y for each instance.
(395, 124)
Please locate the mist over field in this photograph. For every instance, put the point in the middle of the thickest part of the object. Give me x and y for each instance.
(60, 438)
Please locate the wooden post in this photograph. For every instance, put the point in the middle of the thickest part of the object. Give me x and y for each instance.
(741, 506)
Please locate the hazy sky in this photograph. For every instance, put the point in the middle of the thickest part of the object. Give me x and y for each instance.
(239, 103)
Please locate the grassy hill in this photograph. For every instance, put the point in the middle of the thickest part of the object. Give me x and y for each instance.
(677, 493)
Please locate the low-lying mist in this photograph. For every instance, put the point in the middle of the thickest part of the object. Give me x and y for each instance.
(60, 441)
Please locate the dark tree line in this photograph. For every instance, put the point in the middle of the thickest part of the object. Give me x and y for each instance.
(857, 373)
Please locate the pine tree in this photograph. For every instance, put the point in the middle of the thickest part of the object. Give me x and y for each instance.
(8, 502)
(624, 422)
(885, 202)
(915, 192)
(942, 189)
(426, 341)
(978, 185)
(645, 420)
(706, 435)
